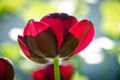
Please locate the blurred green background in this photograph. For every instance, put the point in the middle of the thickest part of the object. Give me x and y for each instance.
(99, 61)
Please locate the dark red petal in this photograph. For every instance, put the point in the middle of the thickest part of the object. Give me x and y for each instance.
(39, 74)
(84, 32)
(6, 69)
(34, 57)
(30, 46)
(57, 27)
(44, 44)
(69, 45)
(50, 71)
(66, 72)
(33, 28)
(68, 23)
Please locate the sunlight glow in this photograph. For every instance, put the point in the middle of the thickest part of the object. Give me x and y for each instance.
(91, 1)
(66, 6)
(13, 33)
(119, 27)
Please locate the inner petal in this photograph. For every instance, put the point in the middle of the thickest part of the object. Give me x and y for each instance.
(57, 27)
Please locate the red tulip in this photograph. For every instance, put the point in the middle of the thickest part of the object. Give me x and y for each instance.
(55, 35)
(47, 73)
(6, 69)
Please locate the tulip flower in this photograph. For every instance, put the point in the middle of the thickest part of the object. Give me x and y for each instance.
(6, 69)
(56, 36)
(47, 73)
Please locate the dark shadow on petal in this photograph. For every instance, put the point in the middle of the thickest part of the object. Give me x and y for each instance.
(69, 44)
(32, 45)
(44, 44)
(47, 43)
(62, 77)
(31, 55)
(37, 59)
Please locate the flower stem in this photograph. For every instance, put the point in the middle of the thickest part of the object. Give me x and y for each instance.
(56, 69)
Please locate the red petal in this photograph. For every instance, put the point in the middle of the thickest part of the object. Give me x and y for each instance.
(34, 57)
(33, 28)
(50, 71)
(57, 27)
(60, 24)
(44, 44)
(66, 71)
(23, 46)
(84, 32)
(6, 69)
(39, 75)
(47, 73)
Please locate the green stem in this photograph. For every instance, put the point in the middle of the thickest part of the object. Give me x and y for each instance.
(56, 69)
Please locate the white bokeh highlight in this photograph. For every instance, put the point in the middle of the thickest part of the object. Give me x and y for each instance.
(105, 43)
(93, 53)
(66, 6)
(14, 32)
